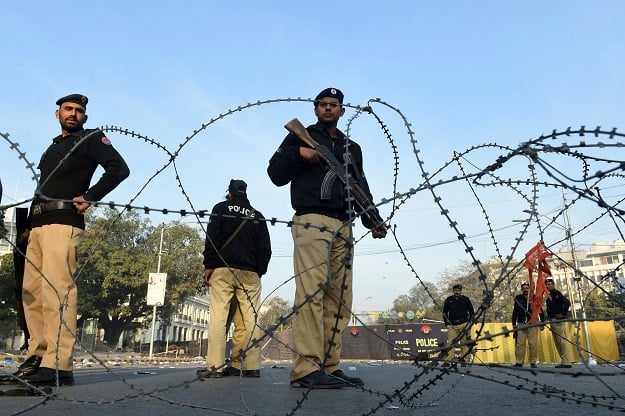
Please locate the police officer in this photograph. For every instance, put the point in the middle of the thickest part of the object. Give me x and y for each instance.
(320, 199)
(457, 315)
(525, 335)
(236, 256)
(557, 309)
(57, 224)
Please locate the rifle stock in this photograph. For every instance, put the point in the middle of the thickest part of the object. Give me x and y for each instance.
(366, 206)
(297, 128)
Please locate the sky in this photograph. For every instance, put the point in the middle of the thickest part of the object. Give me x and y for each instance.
(214, 83)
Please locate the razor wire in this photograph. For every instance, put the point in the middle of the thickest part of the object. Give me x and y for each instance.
(543, 174)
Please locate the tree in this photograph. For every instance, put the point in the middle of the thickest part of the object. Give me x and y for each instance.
(601, 305)
(420, 300)
(501, 284)
(118, 253)
(429, 304)
(271, 311)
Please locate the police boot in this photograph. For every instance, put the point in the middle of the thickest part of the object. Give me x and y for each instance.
(28, 368)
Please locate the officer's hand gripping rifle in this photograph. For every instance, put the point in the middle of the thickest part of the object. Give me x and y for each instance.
(365, 205)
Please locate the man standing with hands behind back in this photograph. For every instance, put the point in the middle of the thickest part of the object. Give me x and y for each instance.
(236, 256)
(557, 308)
(526, 334)
(457, 315)
(321, 200)
(56, 229)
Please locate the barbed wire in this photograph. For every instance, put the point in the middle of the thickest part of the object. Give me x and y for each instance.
(542, 174)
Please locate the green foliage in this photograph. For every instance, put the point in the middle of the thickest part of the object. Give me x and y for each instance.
(601, 305)
(272, 310)
(116, 257)
(429, 304)
(421, 302)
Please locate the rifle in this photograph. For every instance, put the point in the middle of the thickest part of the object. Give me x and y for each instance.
(363, 202)
(19, 261)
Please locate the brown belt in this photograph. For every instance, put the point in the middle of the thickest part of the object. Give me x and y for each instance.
(42, 207)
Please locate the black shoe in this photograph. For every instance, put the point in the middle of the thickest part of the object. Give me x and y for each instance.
(318, 380)
(27, 368)
(47, 377)
(251, 373)
(533, 365)
(206, 373)
(231, 371)
(351, 381)
(518, 365)
(445, 365)
(564, 366)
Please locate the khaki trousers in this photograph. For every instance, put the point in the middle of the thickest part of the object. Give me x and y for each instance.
(526, 337)
(320, 320)
(453, 332)
(558, 330)
(246, 287)
(49, 294)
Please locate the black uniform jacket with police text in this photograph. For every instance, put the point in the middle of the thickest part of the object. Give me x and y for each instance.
(250, 249)
(67, 169)
(287, 166)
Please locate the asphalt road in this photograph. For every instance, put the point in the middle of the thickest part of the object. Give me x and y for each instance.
(391, 388)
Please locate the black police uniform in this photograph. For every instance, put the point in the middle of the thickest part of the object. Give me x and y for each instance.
(239, 252)
(286, 165)
(67, 167)
(72, 177)
(457, 312)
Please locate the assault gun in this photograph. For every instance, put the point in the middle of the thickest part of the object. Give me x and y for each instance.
(364, 204)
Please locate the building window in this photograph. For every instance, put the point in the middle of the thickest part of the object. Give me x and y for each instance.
(585, 263)
(613, 259)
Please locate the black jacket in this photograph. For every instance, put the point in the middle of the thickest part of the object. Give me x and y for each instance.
(250, 249)
(522, 311)
(457, 310)
(558, 304)
(286, 165)
(73, 177)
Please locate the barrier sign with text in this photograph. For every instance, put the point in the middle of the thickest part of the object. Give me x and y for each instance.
(411, 340)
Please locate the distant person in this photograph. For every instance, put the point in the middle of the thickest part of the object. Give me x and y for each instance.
(57, 224)
(525, 335)
(557, 309)
(458, 314)
(320, 198)
(236, 256)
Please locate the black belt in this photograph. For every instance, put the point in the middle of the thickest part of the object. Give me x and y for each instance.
(42, 207)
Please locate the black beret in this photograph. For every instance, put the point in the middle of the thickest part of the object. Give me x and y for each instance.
(237, 186)
(457, 287)
(330, 92)
(74, 98)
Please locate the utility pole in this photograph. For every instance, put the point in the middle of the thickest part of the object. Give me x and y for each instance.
(577, 279)
(158, 270)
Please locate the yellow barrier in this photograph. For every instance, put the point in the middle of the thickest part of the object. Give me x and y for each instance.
(500, 349)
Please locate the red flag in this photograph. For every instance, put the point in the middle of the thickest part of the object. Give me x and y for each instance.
(536, 260)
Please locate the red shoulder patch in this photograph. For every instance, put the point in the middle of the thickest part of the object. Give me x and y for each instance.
(106, 140)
